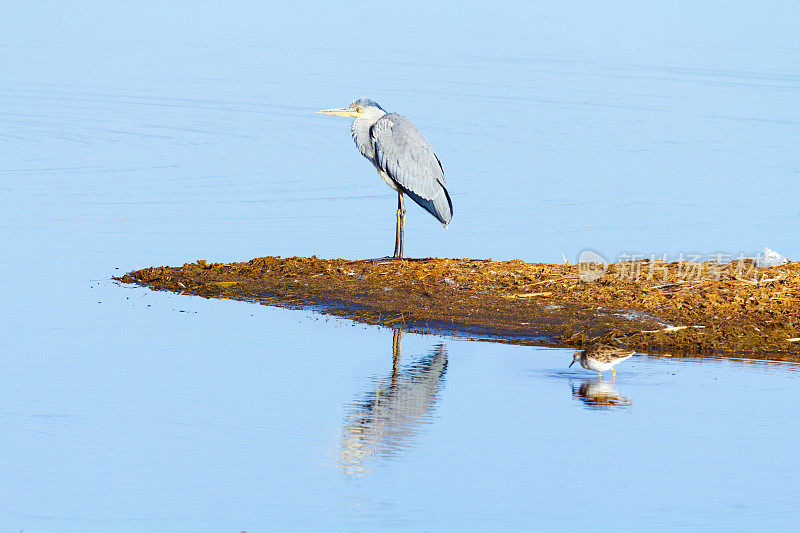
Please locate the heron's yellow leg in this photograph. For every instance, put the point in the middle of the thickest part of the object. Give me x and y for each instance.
(402, 230)
(398, 237)
(401, 222)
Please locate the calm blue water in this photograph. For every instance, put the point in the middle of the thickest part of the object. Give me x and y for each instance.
(164, 132)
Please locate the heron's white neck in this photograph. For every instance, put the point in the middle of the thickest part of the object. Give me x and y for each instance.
(360, 130)
(369, 116)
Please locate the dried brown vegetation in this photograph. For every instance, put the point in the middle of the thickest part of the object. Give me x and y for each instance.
(681, 308)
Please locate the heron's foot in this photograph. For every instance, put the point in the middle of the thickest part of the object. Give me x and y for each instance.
(383, 259)
(392, 258)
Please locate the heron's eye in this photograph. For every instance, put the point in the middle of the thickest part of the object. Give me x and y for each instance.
(358, 109)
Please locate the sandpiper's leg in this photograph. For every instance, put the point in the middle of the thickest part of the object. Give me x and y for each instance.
(615, 373)
(599, 375)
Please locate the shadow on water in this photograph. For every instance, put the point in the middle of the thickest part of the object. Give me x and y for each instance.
(600, 394)
(388, 419)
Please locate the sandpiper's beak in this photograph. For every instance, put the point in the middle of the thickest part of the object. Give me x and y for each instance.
(572, 363)
(342, 111)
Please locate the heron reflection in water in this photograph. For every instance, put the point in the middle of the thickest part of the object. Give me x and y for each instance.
(387, 419)
(600, 394)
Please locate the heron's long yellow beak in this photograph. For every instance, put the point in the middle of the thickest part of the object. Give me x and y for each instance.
(343, 111)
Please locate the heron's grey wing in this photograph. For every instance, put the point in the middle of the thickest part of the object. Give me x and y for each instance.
(405, 155)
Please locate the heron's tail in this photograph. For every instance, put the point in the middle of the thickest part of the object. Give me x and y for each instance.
(444, 208)
(439, 206)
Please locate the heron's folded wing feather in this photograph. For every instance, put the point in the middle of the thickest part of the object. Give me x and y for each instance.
(405, 155)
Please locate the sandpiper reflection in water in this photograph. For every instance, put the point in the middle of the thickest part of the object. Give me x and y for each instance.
(600, 394)
(388, 418)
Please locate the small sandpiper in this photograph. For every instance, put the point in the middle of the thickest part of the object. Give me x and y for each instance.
(601, 357)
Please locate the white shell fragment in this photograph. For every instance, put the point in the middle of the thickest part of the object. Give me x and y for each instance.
(768, 258)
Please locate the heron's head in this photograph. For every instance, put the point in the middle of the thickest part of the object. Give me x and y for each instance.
(576, 357)
(359, 108)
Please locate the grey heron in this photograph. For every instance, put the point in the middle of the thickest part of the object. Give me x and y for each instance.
(403, 158)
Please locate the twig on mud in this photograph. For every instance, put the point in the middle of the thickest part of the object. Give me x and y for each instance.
(392, 321)
(670, 329)
(670, 285)
(756, 282)
(547, 281)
